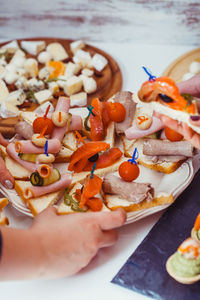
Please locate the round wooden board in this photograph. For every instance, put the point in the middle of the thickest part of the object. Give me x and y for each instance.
(109, 81)
(180, 66)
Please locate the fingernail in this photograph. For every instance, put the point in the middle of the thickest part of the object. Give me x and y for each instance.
(9, 184)
(195, 118)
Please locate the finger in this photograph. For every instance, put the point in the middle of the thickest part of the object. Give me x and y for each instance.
(196, 141)
(109, 238)
(187, 132)
(5, 177)
(190, 86)
(110, 220)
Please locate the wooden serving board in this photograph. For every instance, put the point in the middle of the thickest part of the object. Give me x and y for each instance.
(109, 81)
(180, 66)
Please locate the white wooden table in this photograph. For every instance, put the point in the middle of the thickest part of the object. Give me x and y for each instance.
(94, 281)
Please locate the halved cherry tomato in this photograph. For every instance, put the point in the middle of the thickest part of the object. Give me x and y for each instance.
(40, 123)
(129, 171)
(116, 112)
(172, 135)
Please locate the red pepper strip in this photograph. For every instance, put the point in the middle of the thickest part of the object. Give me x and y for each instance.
(79, 158)
(91, 188)
(96, 123)
(105, 116)
(197, 223)
(106, 159)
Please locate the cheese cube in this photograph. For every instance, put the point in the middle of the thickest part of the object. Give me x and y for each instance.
(76, 45)
(87, 72)
(79, 99)
(8, 110)
(33, 47)
(17, 97)
(31, 67)
(40, 111)
(18, 59)
(43, 95)
(89, 84)
(61, 81)
(73, 85)
(57, 51)
(2, 71)
(84, 58)
(21, 71)
(44, 73)
(11, 47)
(53, 87)
(194, 67)
(3, 91)
(44, 57)
(3, 62)
(10, 68)
(99, 62)
(72, 69)
(21, 83)
(11, 77)
(35, 85)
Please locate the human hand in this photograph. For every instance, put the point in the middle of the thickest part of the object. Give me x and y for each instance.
(69, 242)
(6, 179)
(191, 86)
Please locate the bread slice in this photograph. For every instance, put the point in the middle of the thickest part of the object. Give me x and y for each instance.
(3, 219)
(160, 166)
(64, 155)
(184, 280)
(70, 141)
(114, 202)
(28, 116)
(64, 209)
(194, 235)
(79, 177)
(3, 151)
(16, 170)
(36, 205)
(3, 203)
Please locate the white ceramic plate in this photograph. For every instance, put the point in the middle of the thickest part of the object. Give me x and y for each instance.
(174, 183)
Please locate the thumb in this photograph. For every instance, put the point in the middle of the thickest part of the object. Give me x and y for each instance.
(5, 177)
(190, 86)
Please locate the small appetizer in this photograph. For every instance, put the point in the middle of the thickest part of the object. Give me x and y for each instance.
(162, 95)
(3, 218)
(184, 264)
(196, 229)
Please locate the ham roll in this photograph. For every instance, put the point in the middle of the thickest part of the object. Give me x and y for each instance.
(28, 147)
(37, 191)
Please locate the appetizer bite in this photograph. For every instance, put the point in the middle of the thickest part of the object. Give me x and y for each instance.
(3, 218)
(184, 265)
(196, 229)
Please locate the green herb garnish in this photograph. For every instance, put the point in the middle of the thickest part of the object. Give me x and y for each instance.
(70, 201)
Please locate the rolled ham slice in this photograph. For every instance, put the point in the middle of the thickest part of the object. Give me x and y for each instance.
(28, 147)
(163, 147)
(125, 98)
(135, 133)
(132, 191)
(36, 191)
(76, 123)
(26, 164)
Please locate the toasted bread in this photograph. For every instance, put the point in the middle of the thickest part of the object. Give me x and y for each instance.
(64, 155)
(160, 166)
(70, 141)
(64, 209)
(16, 170)
(114, 202)
(3, 151)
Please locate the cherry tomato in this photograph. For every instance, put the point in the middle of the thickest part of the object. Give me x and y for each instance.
(39, 124)
(172, 135)
(116, 112)
(129, 171)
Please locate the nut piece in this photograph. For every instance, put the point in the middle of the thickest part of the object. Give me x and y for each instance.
(144, 121)
(59, 118)
(38, 141)
(44, 159)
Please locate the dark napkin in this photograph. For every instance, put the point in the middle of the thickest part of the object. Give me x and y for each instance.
(145, 272)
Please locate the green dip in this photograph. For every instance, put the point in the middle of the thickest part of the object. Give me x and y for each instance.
(185, 267)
